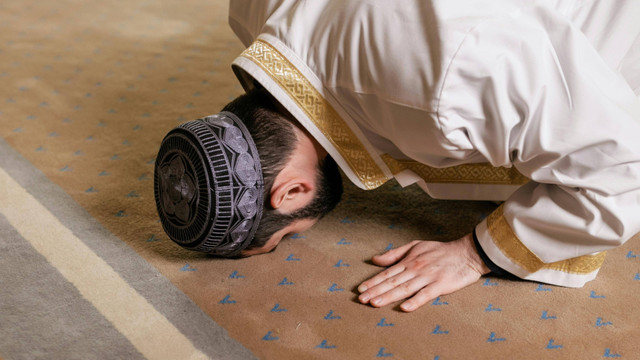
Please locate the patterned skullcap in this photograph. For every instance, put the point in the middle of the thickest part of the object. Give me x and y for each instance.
(208, 185)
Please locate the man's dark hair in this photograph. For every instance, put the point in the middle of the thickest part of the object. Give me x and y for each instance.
(274, 134)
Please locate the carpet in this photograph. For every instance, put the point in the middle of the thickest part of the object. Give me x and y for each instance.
(88, 90)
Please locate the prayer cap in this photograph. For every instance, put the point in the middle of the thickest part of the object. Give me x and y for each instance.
(208, 185)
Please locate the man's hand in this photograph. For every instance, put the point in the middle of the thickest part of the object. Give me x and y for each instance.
(427, 269)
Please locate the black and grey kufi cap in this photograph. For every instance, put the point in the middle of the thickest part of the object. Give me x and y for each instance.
(208, 185)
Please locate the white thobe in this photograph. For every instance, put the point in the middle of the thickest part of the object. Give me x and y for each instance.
(532, 102)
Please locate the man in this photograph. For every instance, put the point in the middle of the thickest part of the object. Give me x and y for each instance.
(534, 103)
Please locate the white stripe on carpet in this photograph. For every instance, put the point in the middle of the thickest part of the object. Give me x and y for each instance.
(147, 329)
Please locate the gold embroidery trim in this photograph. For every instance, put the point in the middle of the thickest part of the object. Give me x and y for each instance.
(483, 173)
(508, 242)
(323, 115)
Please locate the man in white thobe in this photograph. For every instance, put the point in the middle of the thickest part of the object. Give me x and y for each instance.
(534, 103)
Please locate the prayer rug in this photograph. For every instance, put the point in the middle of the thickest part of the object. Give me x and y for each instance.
(88, 90)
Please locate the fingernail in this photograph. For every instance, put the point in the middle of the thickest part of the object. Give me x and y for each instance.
(364, 298)
(406, 307)
(376, 301)
(362, 288)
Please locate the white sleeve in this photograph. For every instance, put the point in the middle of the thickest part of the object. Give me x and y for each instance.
(530, 91)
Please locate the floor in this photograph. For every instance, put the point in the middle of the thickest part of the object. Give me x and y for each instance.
(88, 91)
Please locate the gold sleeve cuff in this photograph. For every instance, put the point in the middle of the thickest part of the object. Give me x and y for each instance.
(507, 241)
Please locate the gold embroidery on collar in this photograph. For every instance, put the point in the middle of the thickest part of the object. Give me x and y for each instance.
(483, 173)
(508, 242)
(323, 115)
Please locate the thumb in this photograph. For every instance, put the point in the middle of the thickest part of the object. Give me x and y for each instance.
(394, 255)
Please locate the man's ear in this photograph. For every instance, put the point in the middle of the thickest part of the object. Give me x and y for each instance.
(292, 195)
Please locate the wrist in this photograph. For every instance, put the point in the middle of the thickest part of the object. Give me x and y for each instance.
(475, 260)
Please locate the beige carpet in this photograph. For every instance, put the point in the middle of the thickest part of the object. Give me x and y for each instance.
(88, 90)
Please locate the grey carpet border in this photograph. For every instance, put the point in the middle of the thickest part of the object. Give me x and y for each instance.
(44, 316)
(186, 316)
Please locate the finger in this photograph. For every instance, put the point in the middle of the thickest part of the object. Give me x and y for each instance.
(386, 286)
(399, 292)
(394, 255)
(423, 296)
(382, 276)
